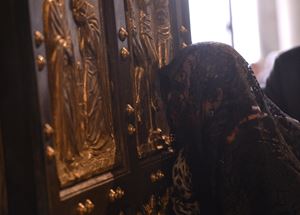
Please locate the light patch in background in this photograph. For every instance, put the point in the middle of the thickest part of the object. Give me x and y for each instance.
(246, 29)
(210, 21)
(288, 23)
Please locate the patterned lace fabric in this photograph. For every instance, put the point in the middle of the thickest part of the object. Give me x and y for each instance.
(183, 199)
(258, 171)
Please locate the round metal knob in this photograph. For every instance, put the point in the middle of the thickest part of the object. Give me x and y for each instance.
(38, 38)
(129, 109)
(86, 208)
(124, 53)
(123, 34)
(131, 129)
(183, 29)
(171, 150)
(157, 176)
(48, 130)
(50, 152)
(183, 45)
(168, 139)
(160, 174)
(89, 205)
(81, 209)
(116, 194)
(41, 62)
(153, 178)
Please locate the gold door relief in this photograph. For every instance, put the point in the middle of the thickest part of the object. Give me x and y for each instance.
(79, 89)
(152, 47)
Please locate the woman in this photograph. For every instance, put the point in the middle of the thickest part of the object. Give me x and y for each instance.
(237, 152)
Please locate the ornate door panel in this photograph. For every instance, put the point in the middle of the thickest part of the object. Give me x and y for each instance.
(79, 90)
(79, 104)
(152, 45)
(105, 136)
(153, 40)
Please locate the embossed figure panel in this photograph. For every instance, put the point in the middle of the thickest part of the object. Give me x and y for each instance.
(79, 89)
(152, 46)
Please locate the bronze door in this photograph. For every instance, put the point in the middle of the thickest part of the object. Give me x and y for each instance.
(106, 140)
(80, 105)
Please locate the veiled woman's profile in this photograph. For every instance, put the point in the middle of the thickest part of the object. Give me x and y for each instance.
(238, 153)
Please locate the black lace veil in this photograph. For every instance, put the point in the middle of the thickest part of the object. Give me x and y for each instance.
(192, 79)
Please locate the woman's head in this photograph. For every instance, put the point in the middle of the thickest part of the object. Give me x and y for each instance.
(206, 83)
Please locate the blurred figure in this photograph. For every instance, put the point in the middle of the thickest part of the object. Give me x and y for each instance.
(283, 85)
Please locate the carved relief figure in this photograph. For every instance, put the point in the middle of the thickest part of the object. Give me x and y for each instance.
(82, 116)
(96, 110)
(62, 81)
(139, 56)
(150, 40)
(146, 27)
(144, 53)
(147, 32)
(164, 37)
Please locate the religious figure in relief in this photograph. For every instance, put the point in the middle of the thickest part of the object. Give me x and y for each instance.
(144, 52)
(62, 80)
(96, 111)
(79, 89)
(163, 30)
(149, 25)
(165, 53)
